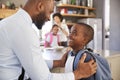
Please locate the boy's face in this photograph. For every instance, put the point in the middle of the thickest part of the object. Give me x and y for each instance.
(55, 30)
(76, 37)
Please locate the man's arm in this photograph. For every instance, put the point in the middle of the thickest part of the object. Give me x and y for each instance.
(83, 70)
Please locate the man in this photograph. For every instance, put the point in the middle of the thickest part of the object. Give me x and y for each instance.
(19, 46)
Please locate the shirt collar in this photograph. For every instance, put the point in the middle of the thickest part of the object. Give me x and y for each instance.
(74, 54)
(26, 16)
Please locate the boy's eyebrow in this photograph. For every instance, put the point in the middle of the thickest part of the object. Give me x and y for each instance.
(74, 31)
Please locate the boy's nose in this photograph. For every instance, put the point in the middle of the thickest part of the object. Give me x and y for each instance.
(69, 36)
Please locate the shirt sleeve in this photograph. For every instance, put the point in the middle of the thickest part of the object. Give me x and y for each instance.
(65, 27)
(25, 46)
(49, 63)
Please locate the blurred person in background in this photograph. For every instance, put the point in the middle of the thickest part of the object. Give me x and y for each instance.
(52, 38)
(63, 28)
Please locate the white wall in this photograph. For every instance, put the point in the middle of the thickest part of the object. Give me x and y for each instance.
(115, 25)
(114, 42)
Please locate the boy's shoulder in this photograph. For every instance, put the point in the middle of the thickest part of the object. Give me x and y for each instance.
(103, 69)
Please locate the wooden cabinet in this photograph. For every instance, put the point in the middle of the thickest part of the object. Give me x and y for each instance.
(6, 12)
(73, 12)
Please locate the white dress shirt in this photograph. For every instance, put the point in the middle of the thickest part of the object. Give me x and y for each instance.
(19, 46)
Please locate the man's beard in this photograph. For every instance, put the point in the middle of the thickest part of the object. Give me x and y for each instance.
(40, 20)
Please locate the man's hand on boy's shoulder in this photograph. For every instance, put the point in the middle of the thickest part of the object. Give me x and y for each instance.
(85, 69)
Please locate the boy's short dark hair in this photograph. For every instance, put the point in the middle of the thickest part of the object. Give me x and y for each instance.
(58, 15)
(88, 32)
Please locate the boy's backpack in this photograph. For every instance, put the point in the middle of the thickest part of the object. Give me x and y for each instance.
(103, 70)
(51, 38)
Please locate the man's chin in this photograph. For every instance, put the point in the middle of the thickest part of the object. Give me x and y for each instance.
(39, 26)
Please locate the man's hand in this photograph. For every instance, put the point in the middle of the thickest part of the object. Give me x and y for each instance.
(85, 69)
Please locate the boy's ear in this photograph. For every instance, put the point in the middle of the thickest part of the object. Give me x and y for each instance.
(85, 40)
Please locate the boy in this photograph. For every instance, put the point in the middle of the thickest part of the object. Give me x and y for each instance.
(81, 34)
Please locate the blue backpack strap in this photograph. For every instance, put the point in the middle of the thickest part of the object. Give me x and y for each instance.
(76, 59)
(103, 70)
(79, 55)
(88, 58)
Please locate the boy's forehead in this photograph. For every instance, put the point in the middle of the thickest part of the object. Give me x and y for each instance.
(77, 27)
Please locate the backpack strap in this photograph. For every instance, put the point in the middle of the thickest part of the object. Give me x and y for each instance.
(103, 69)
(77, 58)
(88, 58)
(80, 54)
(51, 38)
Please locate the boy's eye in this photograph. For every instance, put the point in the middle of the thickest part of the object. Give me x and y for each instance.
(73, 32)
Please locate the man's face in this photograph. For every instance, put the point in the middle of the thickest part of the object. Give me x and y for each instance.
(76, 37)
(44, 15)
